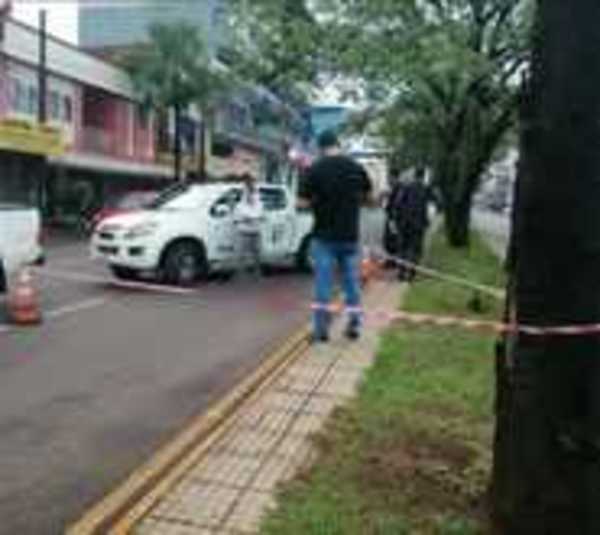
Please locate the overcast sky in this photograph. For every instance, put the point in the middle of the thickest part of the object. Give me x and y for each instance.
(62, 16)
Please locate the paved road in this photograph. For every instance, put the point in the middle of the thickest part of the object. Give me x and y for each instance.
(114, 372)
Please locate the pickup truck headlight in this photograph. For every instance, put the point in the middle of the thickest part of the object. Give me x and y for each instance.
(141, 230)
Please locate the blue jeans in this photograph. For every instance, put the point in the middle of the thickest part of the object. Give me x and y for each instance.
(326, 254)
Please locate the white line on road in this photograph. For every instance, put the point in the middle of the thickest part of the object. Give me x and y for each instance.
(76, 307)
(78, 277)
(71, 262)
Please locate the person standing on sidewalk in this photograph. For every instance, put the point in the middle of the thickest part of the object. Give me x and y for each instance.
(335, 187)
(390, 232)
(248, 221)
(410, 210)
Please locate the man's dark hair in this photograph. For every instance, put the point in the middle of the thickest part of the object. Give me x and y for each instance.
(328, 139)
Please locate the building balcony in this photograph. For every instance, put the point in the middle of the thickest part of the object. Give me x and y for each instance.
(102, 142)
(97, 141)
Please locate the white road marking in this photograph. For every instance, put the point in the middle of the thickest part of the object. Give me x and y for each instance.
(76, 307)
(71, 262)
(78, 277)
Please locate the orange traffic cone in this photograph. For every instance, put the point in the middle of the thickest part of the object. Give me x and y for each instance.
(24, 301)
(370, 268)
(367, 270)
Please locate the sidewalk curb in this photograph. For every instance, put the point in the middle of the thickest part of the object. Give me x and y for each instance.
(121, 509)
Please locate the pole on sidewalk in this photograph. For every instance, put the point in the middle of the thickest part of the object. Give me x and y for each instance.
(42, 69)
(202, 155)
(177, 149)
(42, 102)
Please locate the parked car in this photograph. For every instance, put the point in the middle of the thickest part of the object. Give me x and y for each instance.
(122, 204)
(20, 240)
(189, 231)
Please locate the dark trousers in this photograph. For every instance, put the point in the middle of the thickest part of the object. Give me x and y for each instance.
(410, 248)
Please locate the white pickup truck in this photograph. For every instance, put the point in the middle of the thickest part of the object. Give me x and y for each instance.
(20, 244)
(190, 230)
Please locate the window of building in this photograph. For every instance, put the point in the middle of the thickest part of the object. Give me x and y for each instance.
(32, 100)
(54, 105)
(143, 117)
(67, 109)
(18, 96)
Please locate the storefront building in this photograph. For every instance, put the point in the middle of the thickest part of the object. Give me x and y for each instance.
(97, 141)
(96, 138)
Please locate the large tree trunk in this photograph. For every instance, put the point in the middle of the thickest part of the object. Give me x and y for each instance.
(457, 200)
(547, 451)
(458, 223)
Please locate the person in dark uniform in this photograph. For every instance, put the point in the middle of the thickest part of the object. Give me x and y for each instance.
(411, 218)
(390, 231)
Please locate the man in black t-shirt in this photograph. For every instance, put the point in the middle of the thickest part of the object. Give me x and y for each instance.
(335, 187)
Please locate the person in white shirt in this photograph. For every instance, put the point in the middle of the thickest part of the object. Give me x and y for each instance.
(248, 220)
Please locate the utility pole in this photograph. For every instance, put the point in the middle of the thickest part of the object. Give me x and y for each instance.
(177, 140)
(202, 155)
(42, 69)
(42, 103)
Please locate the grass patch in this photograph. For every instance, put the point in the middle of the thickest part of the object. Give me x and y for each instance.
(411, 455)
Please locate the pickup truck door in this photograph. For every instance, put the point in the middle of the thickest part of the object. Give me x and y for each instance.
(222, 226)
(278, 226)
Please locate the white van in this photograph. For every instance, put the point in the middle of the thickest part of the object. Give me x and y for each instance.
(190, 231)
(20, 244)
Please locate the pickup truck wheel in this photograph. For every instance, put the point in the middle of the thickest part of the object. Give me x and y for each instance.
(304, 261)
(184, 264)
(124, 273)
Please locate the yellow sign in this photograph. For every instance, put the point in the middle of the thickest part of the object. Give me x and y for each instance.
(22, 136)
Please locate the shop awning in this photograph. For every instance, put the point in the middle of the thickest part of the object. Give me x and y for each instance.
(105, 164)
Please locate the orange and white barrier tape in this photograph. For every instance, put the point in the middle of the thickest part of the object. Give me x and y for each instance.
(433, 320)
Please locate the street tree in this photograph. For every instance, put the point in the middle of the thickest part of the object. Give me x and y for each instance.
(444, 74)
(174, 71)
(547, 450)
(276, 45)
(451, 70)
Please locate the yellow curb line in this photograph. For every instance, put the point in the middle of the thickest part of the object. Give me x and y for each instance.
(123, 508)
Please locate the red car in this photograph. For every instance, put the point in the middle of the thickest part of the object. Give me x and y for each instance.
(128, 202)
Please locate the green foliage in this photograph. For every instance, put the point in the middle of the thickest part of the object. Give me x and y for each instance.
(276, 44)
(174, 69)
(442, 75)
(452, 67)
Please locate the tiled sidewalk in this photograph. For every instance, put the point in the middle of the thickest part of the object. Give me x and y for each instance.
(230, 489)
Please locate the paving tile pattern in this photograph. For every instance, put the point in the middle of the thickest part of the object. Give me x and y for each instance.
(231, 488)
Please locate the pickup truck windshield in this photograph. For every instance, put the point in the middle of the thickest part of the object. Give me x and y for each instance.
(178, 196)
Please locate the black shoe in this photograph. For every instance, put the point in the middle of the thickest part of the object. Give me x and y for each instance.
(352, 332)
(319, 339)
